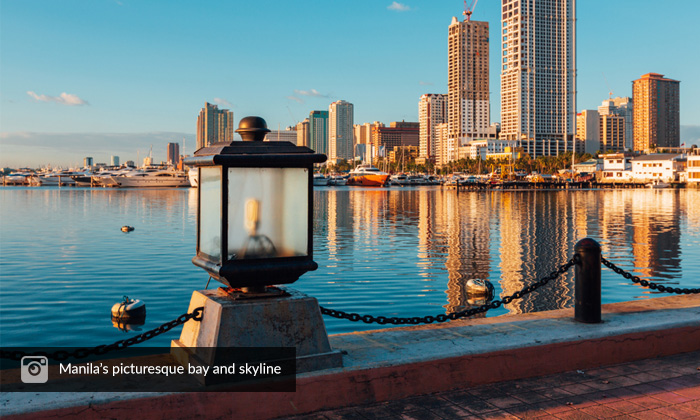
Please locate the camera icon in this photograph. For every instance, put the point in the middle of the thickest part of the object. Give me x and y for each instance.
(34, 369)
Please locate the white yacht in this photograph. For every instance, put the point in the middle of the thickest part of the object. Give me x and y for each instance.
(193, 175)
(152, 178)
(320, 180)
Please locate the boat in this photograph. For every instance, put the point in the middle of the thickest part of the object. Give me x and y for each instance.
(416, 179)
(657, 183)
(399, 179)
(338, 180)
(193, 175)
(84, 180)
(368, 176)
(320, 180)
(56, 178)
(16, 178)
(103, 178)
(152, 178)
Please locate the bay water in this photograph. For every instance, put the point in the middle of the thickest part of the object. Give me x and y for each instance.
(408, 252)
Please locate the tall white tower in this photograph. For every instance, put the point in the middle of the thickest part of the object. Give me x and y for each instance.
(538, 75)
(432, 110)
(468, 80)
(340, 131)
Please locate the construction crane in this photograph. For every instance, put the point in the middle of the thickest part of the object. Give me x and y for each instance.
(610, 93)
(469, 10)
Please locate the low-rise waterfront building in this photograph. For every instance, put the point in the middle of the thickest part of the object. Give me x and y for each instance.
(590, 166)
(617, 167)
(403, 154)
(692, 175)
(658, 166)
(483, 147)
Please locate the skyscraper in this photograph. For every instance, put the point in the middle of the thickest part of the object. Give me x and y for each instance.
(538, 75)
(588, 130)
(622, 107)
(303, 133)
(173, 156)
(612, 133)
(340, 132)
(656, 112)
(432, 110)
(468, 111)
(318, 131)
(214, 125)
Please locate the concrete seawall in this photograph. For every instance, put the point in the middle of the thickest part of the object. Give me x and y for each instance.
(396, 363)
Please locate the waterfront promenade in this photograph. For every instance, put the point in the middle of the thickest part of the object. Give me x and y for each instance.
(660, 388)
(524, 365)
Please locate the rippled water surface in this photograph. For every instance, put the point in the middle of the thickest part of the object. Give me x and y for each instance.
(392, 252)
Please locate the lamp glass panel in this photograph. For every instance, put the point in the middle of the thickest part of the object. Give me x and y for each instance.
(268, 212)
(210, 212)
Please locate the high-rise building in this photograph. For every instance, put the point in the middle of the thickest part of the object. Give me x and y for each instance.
(399, 133)
(446, 149)
(588, 130)
(114, 161)
(364, 148)
(214, 125)
(318, 131)
(340, 132)
(538, 75)
(87, 162)
(656, 112)
(288, 134)
(173, 156)
(303, 133)
(432, 110)
(612, 133)
(624, 108)
(468, 111)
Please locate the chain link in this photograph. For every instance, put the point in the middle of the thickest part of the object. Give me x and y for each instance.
(454, 315)
(646, 283)
(81, 353)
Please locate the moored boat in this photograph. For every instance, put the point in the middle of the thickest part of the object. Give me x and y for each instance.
(152, 178)
(657, 183)
(193, 175)
(320, 180)
(368, 176)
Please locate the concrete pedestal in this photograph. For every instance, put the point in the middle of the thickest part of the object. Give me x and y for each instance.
(289, 321)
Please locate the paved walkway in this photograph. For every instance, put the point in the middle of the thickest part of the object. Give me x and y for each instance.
(664, 388)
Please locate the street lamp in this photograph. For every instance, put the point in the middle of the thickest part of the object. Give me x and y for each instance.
(255, 208)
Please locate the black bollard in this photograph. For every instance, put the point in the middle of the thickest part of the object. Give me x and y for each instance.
(587, 282)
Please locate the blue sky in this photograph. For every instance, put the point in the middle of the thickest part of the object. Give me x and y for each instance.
(107, 77)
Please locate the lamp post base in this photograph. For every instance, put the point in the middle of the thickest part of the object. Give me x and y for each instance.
(287, 321)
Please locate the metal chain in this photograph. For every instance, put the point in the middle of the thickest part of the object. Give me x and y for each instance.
(60, 355)
(367, 319)
(646, 283)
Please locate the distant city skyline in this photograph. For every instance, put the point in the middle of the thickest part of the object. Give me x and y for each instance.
(113, 78)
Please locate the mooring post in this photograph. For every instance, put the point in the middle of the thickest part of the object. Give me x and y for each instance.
(587, 282)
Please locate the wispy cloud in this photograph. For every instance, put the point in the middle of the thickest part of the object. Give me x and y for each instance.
(223, 102)
(398, 7)
(294, 98)
(422, 83)
(63, 99)
(312, 92)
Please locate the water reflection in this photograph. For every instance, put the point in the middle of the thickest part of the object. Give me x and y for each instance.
(441, 239)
